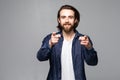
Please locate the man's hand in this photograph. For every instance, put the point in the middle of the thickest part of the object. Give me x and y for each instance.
(85, 41)
(54, 39)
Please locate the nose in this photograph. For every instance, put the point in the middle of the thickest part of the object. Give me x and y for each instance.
(66, 20)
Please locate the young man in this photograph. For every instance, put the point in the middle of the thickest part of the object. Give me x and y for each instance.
(67, 49)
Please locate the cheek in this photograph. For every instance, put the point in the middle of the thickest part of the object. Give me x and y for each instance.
(62, 22)
(72, 22)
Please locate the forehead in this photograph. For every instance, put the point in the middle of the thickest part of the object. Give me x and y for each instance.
(66, 12)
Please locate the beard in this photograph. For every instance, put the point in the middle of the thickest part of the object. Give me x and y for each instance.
(67, 27)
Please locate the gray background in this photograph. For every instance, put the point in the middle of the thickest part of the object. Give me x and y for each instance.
(24, 23)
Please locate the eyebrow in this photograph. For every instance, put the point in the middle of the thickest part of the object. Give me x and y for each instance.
(68, 16)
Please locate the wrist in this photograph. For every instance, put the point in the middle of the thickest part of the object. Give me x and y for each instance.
(89, 47)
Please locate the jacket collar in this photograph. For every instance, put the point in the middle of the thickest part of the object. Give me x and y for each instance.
(77, 34)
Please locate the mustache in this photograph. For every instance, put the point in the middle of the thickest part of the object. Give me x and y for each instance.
(66, 24)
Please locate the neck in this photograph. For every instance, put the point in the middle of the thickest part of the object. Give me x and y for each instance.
(68, 36)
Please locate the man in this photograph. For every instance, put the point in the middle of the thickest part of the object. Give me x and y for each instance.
(67, 49)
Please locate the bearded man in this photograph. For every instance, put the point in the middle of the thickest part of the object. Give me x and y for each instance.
(67, 49)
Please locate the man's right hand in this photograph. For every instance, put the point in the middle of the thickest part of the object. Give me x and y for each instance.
(54, 39)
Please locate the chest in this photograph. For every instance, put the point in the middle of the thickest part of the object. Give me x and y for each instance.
(74, 47)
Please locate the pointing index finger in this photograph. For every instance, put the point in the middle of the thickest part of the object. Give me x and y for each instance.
(83, 37)
(53, 33)
(58, 35)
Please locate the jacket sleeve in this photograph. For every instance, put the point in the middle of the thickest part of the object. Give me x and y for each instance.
(44, 52)
(90, 56)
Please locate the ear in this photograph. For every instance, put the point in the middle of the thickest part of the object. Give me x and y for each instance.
(76, 20)
(58, 20)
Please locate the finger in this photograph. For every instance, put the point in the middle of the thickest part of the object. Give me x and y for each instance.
(84, 42)
(53, 33)
(81, 38)
(58, 35)
(85, 37)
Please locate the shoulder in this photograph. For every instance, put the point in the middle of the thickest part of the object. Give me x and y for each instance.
(78, 34)
(81, 34)
(47, 37)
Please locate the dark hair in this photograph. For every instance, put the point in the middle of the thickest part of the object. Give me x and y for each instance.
(76, 13)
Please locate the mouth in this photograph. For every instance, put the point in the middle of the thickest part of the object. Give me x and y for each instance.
(67, 24)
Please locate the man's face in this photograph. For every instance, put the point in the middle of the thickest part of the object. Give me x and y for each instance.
(67, 20)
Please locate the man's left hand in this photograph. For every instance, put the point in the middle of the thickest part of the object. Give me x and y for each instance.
(84, 40)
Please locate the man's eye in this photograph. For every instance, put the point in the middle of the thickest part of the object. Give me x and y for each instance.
(71, 17)
(62, 17)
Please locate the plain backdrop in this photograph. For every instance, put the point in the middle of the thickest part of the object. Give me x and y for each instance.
(24, 24)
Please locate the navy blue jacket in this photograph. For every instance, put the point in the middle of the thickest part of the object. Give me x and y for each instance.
(79, 55)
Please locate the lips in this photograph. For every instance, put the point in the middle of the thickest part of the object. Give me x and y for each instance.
(66, 24)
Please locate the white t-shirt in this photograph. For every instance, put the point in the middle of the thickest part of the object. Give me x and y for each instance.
(66, 61)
